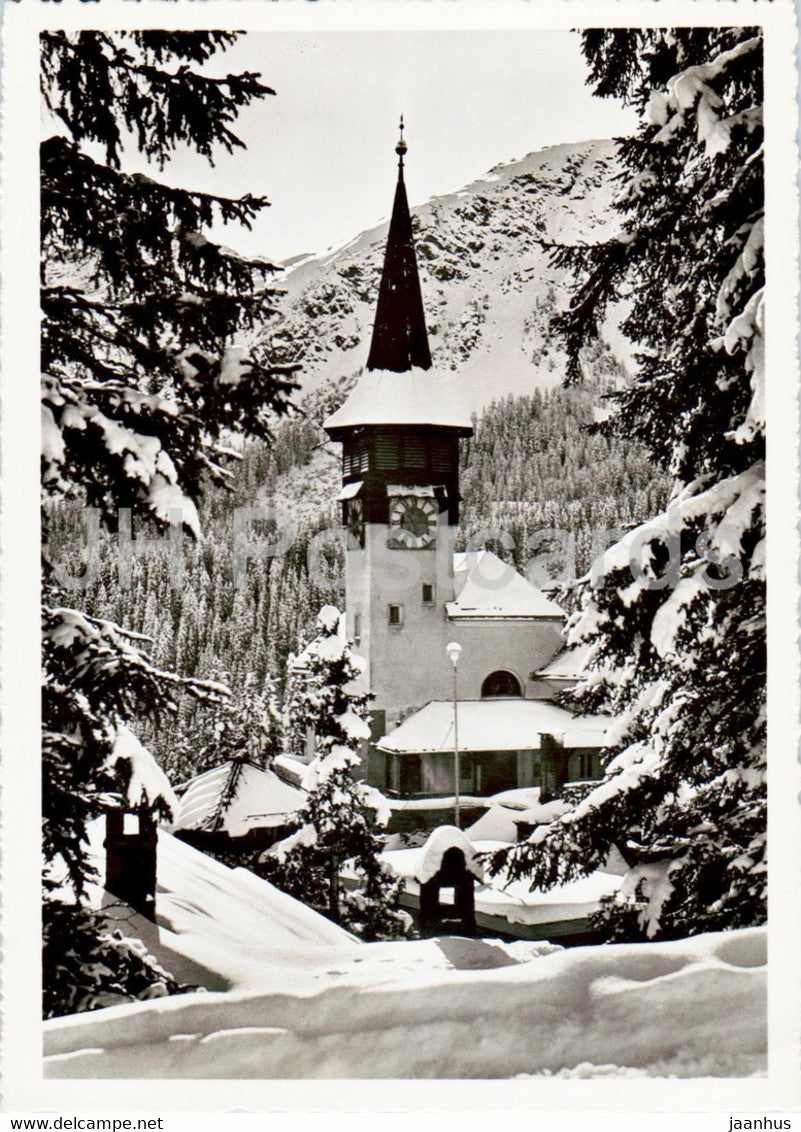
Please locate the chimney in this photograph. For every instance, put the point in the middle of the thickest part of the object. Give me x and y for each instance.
(131, 859)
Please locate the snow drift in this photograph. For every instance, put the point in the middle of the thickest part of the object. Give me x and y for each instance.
(481, 1009)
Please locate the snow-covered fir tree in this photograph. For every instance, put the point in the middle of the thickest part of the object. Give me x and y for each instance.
(678, 644)
(141, 386)
(339, 826)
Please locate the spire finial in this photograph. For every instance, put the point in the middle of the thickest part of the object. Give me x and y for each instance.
(400, 149)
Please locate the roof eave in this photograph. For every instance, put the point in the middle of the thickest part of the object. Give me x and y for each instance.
(467, 616)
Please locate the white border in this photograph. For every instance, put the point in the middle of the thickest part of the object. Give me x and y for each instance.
(24, 1089)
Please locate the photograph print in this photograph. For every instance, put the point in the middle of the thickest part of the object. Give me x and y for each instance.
(403, 586)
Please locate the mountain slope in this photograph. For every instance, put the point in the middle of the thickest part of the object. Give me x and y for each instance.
(488, 285)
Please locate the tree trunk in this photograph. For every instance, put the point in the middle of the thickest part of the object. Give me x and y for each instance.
(333, 892)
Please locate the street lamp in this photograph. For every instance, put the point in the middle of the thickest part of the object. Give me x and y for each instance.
(454, 651)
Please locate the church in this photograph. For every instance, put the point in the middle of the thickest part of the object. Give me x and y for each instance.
(409, 599)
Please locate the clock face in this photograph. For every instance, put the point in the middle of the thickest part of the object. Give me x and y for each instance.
(355, 523)
(413, 523)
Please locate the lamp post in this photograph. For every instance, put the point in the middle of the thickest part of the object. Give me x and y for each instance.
(454, 651)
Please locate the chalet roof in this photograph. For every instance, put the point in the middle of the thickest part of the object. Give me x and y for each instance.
(514, 901)
(235, 797)
(400, 340)
(488, 587)
(489, 725)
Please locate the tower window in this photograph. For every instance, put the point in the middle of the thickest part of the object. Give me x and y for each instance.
(357, 628)
(428, 593)
(396, 615)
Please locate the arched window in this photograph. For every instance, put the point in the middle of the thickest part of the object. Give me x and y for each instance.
(501, 684)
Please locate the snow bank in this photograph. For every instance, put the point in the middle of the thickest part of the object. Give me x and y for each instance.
(687, 1008)
(497, 824)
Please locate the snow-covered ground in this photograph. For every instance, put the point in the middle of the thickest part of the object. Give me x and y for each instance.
(449, 1008)
(291, 995)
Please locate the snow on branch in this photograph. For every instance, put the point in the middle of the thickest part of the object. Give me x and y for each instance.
(146, 784)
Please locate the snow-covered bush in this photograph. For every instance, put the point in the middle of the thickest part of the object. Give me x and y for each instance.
(339, 826)
(89, 965)
(675, 612)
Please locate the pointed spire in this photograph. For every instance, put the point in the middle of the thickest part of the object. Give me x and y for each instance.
(400, 339)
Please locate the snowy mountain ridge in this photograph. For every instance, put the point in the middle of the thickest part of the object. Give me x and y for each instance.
(489, 287)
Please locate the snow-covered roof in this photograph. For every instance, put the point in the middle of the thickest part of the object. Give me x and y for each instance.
(568, 665)
(290, 768)
(517, 798)
(506, 809)
(350, 491)
(514, 901)
(416, 397)
(497, 823)
(216, 926)
(487, 725)
(259, 799)
(488, 587)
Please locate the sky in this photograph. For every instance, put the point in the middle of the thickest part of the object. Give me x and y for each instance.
(322, 149)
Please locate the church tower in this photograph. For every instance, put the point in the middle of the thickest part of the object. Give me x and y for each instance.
(400, 429)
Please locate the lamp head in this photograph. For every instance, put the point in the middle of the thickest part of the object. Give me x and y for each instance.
(454, 651)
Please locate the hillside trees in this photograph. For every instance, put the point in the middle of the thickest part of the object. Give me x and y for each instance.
(246, 726)
(141, 387)
(676, 617)
(533, 466)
